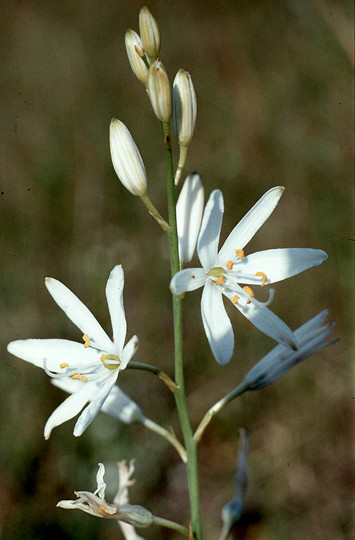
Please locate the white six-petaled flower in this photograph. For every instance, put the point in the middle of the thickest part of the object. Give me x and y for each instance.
(94, 365)
(229, 272)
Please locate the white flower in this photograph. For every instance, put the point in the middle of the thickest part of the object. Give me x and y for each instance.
(189, 210)
(94, 365)
(223, 271)
(311, 337)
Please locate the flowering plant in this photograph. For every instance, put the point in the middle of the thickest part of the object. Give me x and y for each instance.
(89, 370)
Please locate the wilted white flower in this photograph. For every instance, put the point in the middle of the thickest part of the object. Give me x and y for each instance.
(135, 55)
(223, 271)
(311, 337)
(126, 159)
(159, 91)
(93, 365)
(189, 210)
(120, 510)
(149, 31)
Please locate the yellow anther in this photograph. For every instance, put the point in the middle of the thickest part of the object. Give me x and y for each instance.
(63, 365)
(103, 358)
(86, 341)
(83, 378)
(239, 253)
(262, 275)
(235, 299)
(229, 265)
(249, 291)
(220, 280)
(76, 376)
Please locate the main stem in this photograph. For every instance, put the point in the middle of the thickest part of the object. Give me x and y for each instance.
(180, 396)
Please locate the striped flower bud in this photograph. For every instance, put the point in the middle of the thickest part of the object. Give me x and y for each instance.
(126, 159)
(189, 210)
(184, 110)
(135, 55)
(185, 107)
(149, 31)
(159, 91)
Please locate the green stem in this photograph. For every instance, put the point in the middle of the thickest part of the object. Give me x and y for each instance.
(154, 212)
(217, 407)
(180, 395)
(162, 522)
(156, 371)
(156, 428)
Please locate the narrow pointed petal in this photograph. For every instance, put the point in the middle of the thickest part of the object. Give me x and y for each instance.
(79, 314)
(189, 210)
(217, 325)
(189, 279)
(278, 264)
(93, 409)
(207, 246)
(53, 352)
(114, 295)
(128, 352)
(70, 407)
(250, 224)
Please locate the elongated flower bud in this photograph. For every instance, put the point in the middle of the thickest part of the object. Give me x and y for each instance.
(135, 55)
(126, 159)
(189, 210)
(149, 31)
(159, 91)
(184, 107)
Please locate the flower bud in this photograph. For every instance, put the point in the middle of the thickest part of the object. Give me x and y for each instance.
(184, 107)
(189, 211)
(126, 159)
(159, 91)
(135, 55)
(311, 337)
(149, 31)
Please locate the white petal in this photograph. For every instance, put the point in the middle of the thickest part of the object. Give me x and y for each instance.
(128, 352)
(250, 224)
(278, 264)
(208, 240)
(189, 210)
(93, 409)
(79, 314)
(54, 352)
(217, 325)
(101, 484)
(70, 407)
(266, 321)
(114, 295)
(189, 279)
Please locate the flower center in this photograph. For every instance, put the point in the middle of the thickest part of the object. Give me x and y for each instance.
(217, 272)
(110, 361)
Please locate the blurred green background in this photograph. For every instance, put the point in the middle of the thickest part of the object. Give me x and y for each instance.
(274, 89)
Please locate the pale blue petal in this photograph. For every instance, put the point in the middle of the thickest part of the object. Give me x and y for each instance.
(114, 295)
(54, 352)
(93, 409)
(188, 279)
(208, 240)
(70, 407)
(278, 264)
(217, 325)
(79, 314)
(249, 225)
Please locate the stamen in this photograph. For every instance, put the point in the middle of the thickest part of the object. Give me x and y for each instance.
(235, 299)
(86, 341)
(239, 253)
(220, 280)
(262, 275)
(75, 376)
(64, 365)
(83, 378)
(229, 265)
(249, 291)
